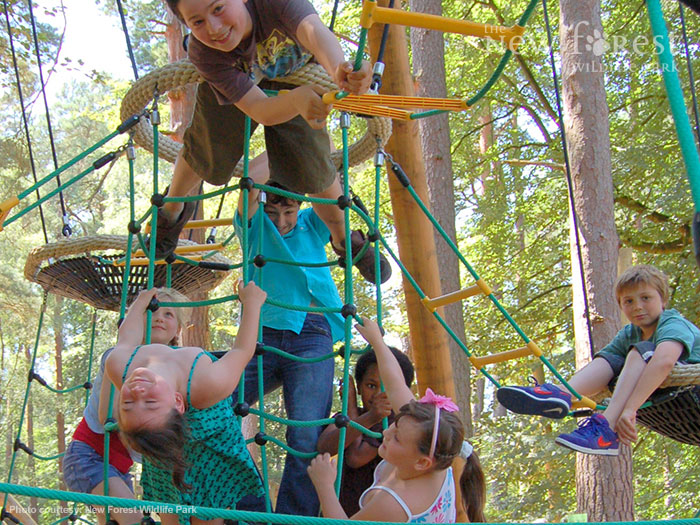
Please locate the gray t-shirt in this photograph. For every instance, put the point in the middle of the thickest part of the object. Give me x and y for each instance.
(271, 51)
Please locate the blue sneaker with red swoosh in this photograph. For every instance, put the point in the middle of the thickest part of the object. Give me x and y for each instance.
(593, 436)
(540, 400)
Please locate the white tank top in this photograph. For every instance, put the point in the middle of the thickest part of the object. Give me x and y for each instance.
(442, 510)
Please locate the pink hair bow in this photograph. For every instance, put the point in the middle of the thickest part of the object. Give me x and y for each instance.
(439, 401)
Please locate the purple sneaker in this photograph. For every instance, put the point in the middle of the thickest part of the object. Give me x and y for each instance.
(593, 436)
(544, 400)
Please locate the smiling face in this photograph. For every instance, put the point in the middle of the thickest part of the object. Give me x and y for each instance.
(219, 24)
(164, 325)
(369, 385)
(642, 305)
(283, 215)
(146, 400)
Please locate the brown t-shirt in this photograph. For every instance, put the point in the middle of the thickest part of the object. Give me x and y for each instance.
(271, 51)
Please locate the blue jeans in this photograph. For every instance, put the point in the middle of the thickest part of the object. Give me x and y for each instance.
(308, 395)
(83, 468)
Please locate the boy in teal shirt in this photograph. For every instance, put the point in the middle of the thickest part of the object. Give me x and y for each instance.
(292, 234)
(639, 358)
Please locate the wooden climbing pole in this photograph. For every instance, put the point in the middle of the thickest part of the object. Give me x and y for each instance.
(413, 230)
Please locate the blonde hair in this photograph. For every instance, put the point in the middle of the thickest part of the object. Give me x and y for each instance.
(182, 313)
(643, 274)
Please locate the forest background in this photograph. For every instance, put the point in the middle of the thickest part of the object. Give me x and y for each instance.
(512, 224)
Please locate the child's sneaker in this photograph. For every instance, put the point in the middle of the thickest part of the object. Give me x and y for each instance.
(366, 264)
(593, 436)
(544, 400)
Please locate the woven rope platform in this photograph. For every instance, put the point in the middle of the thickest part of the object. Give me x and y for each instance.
(675, 406)
(674, 413)
(179, 74)
(70, 268)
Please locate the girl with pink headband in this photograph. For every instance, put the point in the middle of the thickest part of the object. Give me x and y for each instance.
(414, 482)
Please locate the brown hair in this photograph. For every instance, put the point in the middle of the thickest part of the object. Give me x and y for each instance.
(172, 4)
(164, 447)
(273, 198)
(643, 274)
(447, 448)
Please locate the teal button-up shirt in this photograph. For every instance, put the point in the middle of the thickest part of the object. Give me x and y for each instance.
(297, 285)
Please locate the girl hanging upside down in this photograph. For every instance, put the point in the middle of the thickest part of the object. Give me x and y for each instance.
(174, 409)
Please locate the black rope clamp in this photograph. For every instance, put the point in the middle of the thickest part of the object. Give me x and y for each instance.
(259, 348)
(21, 446)
(128, 123)
(4, 515)
(261, 438)
(241, 409)
(157, 200)
(344, 202)
(341, 420)
(246, 183)
(348, 310)
(34, 376)
(153, 304)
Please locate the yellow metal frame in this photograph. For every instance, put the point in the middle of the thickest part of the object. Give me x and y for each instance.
(5, 208)
(143, 261)
(479, 287)
(194, 248)
(372, 14)
(207, 223)
(199, 223)
(584, 402)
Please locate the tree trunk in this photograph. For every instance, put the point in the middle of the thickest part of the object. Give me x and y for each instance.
(181, 108)
(414, 231)
(604, 485)
(429, 72)
(60, 417)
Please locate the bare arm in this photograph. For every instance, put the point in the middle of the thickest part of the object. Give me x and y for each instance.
(259, 171)
(317, 38)
(653, 374)
(330, 437)
(222, 377)
(659, 367)
(130, 335)
(103, 410)
(323, 472)
(389, 368)
(270, 111)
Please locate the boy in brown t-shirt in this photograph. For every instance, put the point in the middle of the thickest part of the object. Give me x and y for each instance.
(233, 45)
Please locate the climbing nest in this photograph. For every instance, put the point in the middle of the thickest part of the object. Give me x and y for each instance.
(71, 268)
(675, 413)
(675, 407)
(179, 74)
